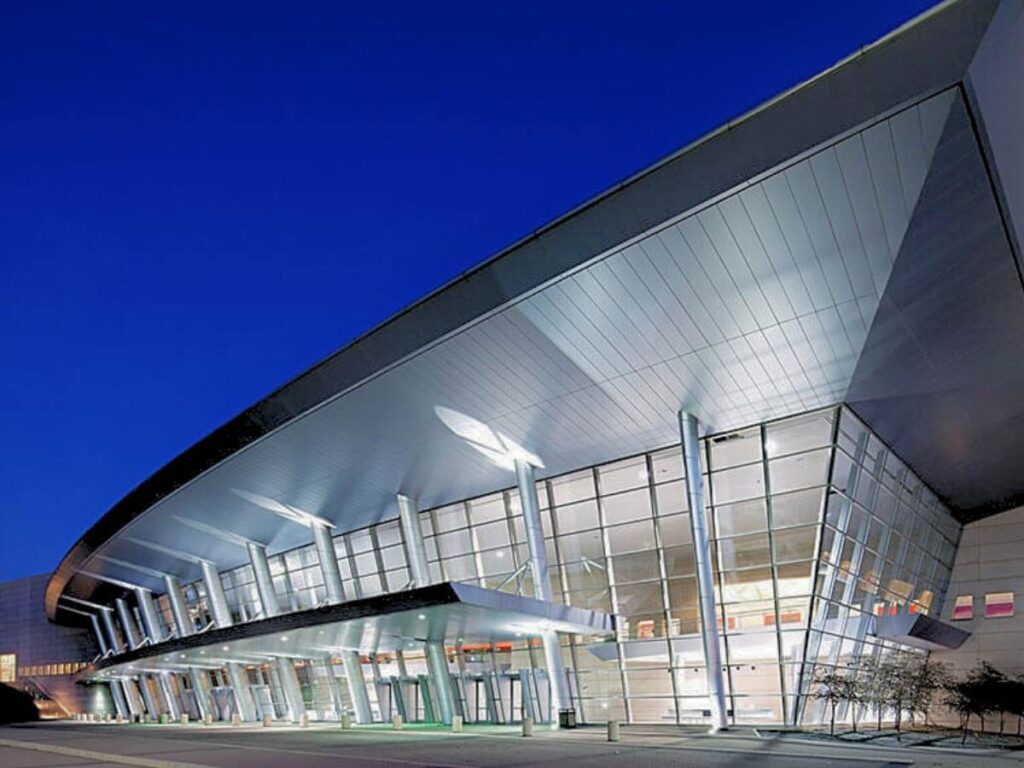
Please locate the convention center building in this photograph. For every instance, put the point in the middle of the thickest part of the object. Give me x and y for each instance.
(755, 411)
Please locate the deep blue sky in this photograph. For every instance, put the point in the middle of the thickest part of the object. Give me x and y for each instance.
(197, 203)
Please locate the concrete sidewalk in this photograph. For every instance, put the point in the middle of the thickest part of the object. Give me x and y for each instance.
(70, 745)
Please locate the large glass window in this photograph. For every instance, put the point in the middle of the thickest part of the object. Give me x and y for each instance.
(8, 667)
(795, 522)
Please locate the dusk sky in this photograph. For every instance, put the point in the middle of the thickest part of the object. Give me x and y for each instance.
(197, 202)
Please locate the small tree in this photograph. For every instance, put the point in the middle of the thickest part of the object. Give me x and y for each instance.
(831, 686)
(988, 685)
(857, 690)
(960, 698)
(875, 673)
(982, 691)
(926, 678)
(1015, 699)
(899, 682)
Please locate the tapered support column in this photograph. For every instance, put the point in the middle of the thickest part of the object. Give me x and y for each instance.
(264, 581)
(357, 686)
(243, 696)
(131, 635)
(150, 620)
(167, 692)
(120, 702)
(412, 538)
(328, 562)
(217, 601)
(705, 580)
(419, 571)
(131, 695)
(107, 617)
(291, 688)
(179, 608)
(101, 641)
(527, 483)
(152, 708)
(437, 665)
(201, 691)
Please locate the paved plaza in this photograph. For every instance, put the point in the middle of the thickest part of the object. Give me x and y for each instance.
(70, 745)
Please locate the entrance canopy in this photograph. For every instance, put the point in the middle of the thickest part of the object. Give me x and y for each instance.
(451, 613)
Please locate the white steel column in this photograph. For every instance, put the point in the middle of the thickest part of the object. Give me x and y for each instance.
(120, 702)
(100, 639)
(688, 426)
(437, 664)
(216, 600)
(243, 696)
(152, 710)
(130, 691)
(167, 691)
(291, 688)
(179, 608)
(328, 562)
(201, 691)
(419, 571)
(527, 483)
(107, 616)
(127, 624)
(264, 581)
(150, 620)
(412, 537)
(357, 686)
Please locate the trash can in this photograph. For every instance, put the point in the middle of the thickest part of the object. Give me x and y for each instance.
(567, 718)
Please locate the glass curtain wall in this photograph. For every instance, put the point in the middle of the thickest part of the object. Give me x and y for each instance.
(887, 546)
(816, 528)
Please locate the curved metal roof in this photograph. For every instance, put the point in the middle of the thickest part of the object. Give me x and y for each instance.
(741, 276)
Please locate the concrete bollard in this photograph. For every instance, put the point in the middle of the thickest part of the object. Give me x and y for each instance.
(613, 730)
(164, 719)
(456, 723)
(303, 720)
(207, 719)
(184, 718)
(267, 721)
(396, 723)
(119, 719)
(527, 726)
(236, 719)
(346, 721)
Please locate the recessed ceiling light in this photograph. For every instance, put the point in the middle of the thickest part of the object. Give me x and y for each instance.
(284, 638)
(224, 647)
(422, 616)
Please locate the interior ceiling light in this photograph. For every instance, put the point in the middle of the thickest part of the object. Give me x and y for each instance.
(500, 449)
(286, 511)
